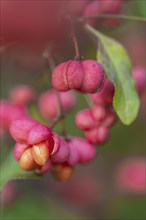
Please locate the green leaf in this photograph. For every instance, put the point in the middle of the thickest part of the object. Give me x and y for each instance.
(112, 55)
(10, 170)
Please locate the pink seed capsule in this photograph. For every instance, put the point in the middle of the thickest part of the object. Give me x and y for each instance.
(73, 74)
(8, 113)
(68, 75)
(74, 156)
(110, 119)
(110, 6)
(38, 133)
(19, 128)
(48, 103)
(105, 96)
(99, 112)
(93, 8)
(84, 119)
(58, 81)
(85, 151)
(22, 94)
(98, 135)
(53, 143)
(19, 149)
(139, 74)
(94, 76)
(62, 154)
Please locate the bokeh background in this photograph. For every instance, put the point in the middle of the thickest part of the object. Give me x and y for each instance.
(93, 192)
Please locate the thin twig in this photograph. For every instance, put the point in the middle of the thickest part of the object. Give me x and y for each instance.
(88, 100)
(106, 16)
(60, 116)
(75, 42)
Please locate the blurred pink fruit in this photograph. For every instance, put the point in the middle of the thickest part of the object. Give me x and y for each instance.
(48, 103)
(130, 176)
(22, 94)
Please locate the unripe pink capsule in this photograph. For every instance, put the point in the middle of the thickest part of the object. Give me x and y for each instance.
(110, 6)
(105, 96)
(98, 135)
(62, 154)
(85, 76)
(94, 76)
(67, 75)
(19, 128)
(53, 143)
(139, 74)
(110, 119)
(8, 113)
(85, 151)
(22, 94)
(38, 133)
(84, 119)
(99, 112)
(93, 8)
(48, 103)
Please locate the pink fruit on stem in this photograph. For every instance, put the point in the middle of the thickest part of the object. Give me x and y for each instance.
(58, 81)
(93, 79)
(110, 119)
(105, 96)
(91, 9)
(67, 75)
(99, 112)
(53, 143)
(22, 94)
(84, 76)
(38, 133)
(139, 74)
(98, 135)
(62, 154)
(74, 156)
(110, 6)
(19, 128)
(85, 151)
(84, 119)
(8, 113)
(48, 103)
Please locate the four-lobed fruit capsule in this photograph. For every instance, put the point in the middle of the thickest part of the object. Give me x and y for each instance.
(84, 76)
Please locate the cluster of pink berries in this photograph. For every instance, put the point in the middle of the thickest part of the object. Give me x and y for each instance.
(97, 120)
(40, 149)
(37, 146)
(49, 106)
